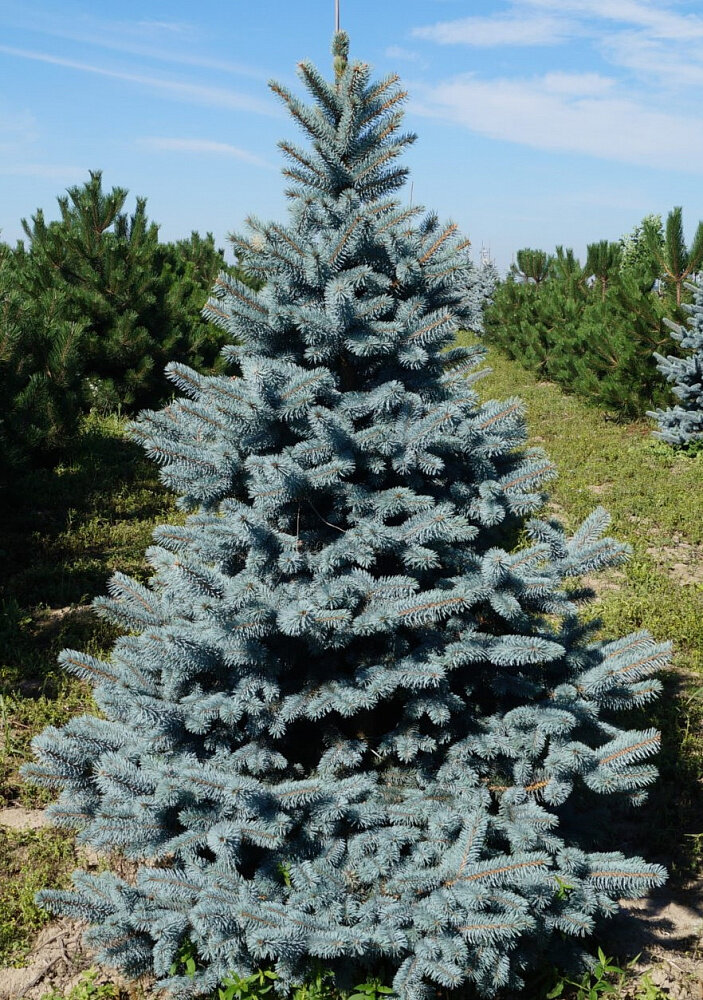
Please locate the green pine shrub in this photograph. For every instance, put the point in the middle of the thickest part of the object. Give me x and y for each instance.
(40, 372)
(116, 279)
(677, 263)
(92, 307)
(591, 329)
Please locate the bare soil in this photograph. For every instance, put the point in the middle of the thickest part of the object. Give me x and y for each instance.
(16, 818)
(666, 930)
(55, 962)
(682, 561)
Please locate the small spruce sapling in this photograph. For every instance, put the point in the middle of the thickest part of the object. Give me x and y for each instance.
(351, 720)
(682, 425)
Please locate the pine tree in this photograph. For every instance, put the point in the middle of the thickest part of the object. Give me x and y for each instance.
(566, 267)
(41, 372)
(682, 425)
(187, 270)
(603, 263)
(99, 261)
(137, 301)
(595, 341)
(610, 358)
(351, 720)
(676, 261)
(532, 266)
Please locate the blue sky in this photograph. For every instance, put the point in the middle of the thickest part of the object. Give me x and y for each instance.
(539, 121)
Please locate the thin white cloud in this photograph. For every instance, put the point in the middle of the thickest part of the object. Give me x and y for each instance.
(640, 114)
(206, 146)
(155, 40)
(656, 62)
(405, 55)
(488, 32)
(577, 84)
(17, 128)
(104, 41)
(660, 20)
(190, 92)
(533, 113)
(173, 27)
(551, 22)
(52, 171)
(654, 40)
(657, 43)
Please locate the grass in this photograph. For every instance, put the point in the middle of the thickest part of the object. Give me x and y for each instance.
(88, 987)
(94, 514)
(31, 859)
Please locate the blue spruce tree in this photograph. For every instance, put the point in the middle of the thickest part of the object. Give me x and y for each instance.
(354, 718)
(682, 425)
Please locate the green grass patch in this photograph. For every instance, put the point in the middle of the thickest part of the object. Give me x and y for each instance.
(21, 719)
(89, 987)
(67, 530)
(31, 860)
(70, 526)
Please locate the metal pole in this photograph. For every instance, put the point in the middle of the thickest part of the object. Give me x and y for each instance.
(336, 15)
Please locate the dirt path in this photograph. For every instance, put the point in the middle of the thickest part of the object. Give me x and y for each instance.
(56, 962)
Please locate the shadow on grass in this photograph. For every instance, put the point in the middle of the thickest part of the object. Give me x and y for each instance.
(66, 530)
(668, 827)
(672, 819)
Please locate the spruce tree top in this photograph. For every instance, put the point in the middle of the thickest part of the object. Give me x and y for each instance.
(349, 714)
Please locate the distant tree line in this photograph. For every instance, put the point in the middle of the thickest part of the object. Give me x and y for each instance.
(93, 306)
(595, 328)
